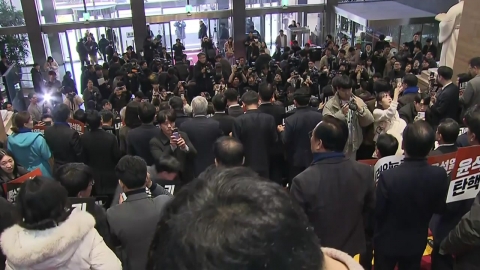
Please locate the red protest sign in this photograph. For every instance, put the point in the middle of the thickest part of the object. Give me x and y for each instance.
(447, 161)
(11, 188)
(370, 162)
(77, 125)
(465, 175)
(39, 129)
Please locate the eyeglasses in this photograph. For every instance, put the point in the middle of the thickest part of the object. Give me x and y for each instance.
(92, 182)
(310, 134)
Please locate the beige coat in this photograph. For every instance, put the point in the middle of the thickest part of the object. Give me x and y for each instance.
(332, 108)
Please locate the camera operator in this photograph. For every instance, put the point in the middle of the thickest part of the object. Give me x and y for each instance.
(165, 55)
(359, 76)
(241, 63)
(181, 67)
(72, 100)
(178, 49)
(347, 107)
(144, 78)
(312, 77)
(92, 93)
(237, 79)
(295, 80)
(203, 74)
(131, 69)
(120, 97)
(252, 82)
(208, 49)
(53, 88)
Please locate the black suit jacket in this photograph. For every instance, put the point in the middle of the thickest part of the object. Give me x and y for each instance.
(226, 122)
(235, 111)
(101, 152)
(181, 117)
(161, 145)
(138, 142)
(447, 104)
(202, 132)
(442, 150)
(337, 195)
(64, 143)
(295, 135)
(274, 110)
(258, 133)
(407, 197)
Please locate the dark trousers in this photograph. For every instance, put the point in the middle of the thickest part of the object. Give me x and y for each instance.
(384, 262)
(441, 262)
(277, 165)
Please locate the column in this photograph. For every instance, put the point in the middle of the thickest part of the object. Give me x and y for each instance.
(238, 21)
(49, 14)
(139, 23)
(330, 18)
(34, 31)
(468, 37)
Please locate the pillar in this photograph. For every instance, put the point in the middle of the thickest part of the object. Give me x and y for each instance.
(468, 36)
(238, 21)
(330, 18)
(139, 23)
(49, 13)
(34, 31)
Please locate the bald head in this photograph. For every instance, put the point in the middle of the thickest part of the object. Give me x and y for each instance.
(228, 152)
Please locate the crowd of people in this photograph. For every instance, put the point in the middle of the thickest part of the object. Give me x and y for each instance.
(254, 165)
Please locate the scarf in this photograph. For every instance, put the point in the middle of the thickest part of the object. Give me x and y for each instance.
(317, 157)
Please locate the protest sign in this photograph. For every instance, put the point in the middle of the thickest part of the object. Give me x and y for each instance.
(77, 125)
(39, 129)
(447, 161)
(465, 175)
(386, 163)
(82, 204)
(13, 187)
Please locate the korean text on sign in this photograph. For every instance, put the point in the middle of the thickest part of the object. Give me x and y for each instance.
(465, 175)
(386, 163)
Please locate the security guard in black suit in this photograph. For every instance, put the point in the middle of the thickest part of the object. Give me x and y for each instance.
(257, 132)
(296, 130)
(277, 165)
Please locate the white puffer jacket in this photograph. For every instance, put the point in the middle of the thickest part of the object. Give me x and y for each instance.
(74, 244)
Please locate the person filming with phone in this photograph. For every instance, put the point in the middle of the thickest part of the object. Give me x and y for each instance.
(173, 142)
(347, 107)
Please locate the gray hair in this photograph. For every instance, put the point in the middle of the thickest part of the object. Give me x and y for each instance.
(199, 106)
(122, 113)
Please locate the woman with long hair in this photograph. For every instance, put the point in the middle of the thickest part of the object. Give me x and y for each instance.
(51, 65)
(9, 169)
(30, 148)
(263, 46)
(385, 115)
(228, 47)
(52, 235)
(131, 121)
(369, 68)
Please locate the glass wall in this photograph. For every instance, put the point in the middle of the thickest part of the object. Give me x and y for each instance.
(14, 13)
